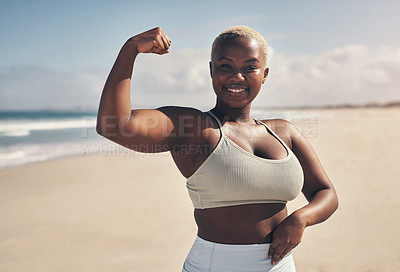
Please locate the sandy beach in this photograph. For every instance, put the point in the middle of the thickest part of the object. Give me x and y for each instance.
(116, 211)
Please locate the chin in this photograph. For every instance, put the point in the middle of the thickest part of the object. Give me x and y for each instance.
(238, 105)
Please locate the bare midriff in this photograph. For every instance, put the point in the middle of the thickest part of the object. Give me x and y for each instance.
(242, 224)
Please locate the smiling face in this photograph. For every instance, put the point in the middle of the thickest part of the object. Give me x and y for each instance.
(238, 70)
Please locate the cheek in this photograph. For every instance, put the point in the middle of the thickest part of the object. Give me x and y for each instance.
(255, 79)
(217, 79)
(215, 83)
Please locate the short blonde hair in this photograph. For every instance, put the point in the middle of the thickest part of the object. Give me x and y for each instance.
(239, 31)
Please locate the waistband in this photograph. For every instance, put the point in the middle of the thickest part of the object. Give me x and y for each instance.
(264, 246)
(209, 256)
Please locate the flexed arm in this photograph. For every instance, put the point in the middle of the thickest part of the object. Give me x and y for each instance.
(116, 121)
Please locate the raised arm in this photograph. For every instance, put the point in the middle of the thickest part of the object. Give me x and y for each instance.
(318, 190)
(141, 130)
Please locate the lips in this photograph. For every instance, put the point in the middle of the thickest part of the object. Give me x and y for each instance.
(236, 89)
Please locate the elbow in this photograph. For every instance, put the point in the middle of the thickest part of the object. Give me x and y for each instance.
(100, 124)
(99, 129)
(335, 201)
(111, 126)
(106, 126)
(106, 131)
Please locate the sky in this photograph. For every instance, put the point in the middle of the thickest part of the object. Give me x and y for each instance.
(57, 54)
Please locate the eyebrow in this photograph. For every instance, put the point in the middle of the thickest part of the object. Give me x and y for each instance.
(249, 60)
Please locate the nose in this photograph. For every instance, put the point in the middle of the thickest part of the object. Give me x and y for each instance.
(237, 75)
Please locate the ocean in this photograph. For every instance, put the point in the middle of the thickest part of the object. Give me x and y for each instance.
(33, 136)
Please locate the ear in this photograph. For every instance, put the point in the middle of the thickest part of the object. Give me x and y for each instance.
(265, 75)
(210, 68)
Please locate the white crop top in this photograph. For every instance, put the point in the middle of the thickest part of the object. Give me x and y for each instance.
(232, 176)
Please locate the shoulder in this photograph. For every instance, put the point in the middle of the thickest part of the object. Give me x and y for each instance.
(284, 129)
(184, 116)
(167, 118)
(189, 121)
(180, 111)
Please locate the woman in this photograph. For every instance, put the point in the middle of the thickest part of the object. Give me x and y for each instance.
(240, 171)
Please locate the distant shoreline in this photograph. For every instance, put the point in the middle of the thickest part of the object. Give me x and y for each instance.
(90, 111)
(393, 104)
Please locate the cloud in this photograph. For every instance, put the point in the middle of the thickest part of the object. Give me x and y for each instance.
(179, 78)
(351, 74)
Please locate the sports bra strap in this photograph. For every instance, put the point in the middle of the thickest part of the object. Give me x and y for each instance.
(219, 123)
(273, 133)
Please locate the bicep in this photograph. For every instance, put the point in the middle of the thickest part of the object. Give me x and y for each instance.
(148, 130)
(315, 177)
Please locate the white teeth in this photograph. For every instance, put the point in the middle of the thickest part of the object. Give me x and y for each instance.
(236, 90)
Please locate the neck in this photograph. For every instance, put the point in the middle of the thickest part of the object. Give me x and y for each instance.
(228, 114)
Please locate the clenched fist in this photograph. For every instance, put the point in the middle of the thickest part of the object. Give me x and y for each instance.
(152, 41)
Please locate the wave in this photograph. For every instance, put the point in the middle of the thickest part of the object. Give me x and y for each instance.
(28, 153)
(12, 156)
(21, 128)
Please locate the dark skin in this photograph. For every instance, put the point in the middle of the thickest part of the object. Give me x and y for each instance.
(237, 72)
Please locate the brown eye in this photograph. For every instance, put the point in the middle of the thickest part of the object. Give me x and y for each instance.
(225, 66)
(250, 68)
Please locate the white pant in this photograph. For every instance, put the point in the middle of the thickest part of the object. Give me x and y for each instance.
(206, 256)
